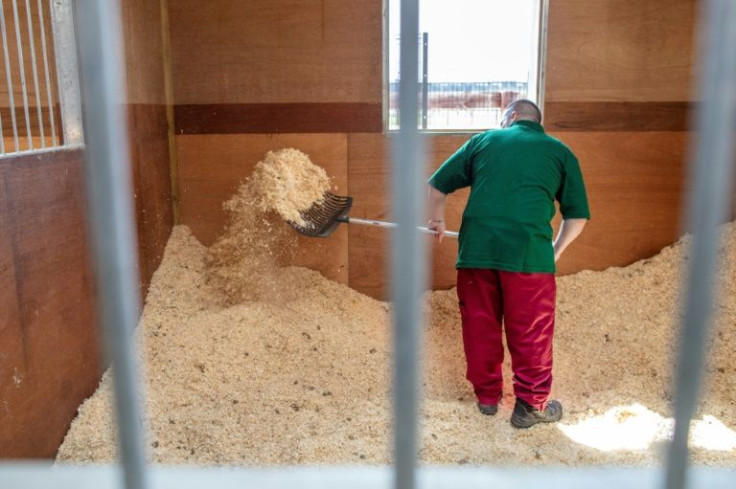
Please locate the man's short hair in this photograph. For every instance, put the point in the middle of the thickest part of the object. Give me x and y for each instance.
(526, 110)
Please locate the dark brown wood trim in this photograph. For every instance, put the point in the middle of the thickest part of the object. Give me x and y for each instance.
(278, 118)
(617, 116)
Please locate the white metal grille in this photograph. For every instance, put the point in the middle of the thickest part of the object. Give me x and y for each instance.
(31, 105)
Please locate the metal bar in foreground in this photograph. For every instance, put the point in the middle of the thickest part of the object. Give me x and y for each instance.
(711, 174)
(407, 254)
(110, 217)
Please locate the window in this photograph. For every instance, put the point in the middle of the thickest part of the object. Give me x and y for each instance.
(475, 58)
(39, 88)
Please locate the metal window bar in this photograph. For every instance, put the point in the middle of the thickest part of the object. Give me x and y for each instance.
(8, 75)
(44, 51)
(65, 48)
(34, 70)
(112, 229)
(22, 73)
(425, 78)
(2, 138)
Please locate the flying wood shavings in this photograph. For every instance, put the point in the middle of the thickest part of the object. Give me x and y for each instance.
(289, 183)
(243, 260)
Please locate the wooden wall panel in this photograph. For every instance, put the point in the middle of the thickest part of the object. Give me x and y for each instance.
(620, 50)
(212, 166)
(148, 131)
(369, 183)
(152, 179)
(617, 89)
(276, 51)
(12, 351)
(634, 182)
(143, 51)
(617, 116)
(278, 118)
(51, 361)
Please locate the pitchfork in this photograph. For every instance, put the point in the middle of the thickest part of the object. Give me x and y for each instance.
(324, 216)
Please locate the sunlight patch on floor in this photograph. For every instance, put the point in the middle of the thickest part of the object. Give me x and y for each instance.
(635, 427)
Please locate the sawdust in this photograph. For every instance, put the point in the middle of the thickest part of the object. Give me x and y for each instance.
(288, 183)
(243, 262)
(247, 362)
(307, 381)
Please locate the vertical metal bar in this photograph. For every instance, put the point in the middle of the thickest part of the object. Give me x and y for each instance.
(425, 78)
(110, 215)
(49, 99)
(711, 174)
(39, 111)
(542, 54)
(22, 66)
(11, 95)
(386, 49)
(65, 48)
(407, 253)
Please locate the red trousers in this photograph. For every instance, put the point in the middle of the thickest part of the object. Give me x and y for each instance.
(525, 303)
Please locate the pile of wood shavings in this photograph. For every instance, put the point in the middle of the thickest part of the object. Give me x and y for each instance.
(307, 381)
(251, 363)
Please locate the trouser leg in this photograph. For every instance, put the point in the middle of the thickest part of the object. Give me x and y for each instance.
(479, 295)
(529, 320)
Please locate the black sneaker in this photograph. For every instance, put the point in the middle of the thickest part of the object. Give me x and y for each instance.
(525, 416)
(488, 409)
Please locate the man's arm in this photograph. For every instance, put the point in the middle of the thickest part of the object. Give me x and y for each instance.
(436, 211)
(569, 230)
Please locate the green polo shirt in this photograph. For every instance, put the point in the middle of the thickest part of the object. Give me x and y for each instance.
(515, 175)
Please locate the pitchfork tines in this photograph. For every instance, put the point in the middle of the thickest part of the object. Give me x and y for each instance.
(324, 216)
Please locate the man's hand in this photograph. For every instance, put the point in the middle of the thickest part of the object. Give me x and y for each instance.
(437, 225)
(436, 206)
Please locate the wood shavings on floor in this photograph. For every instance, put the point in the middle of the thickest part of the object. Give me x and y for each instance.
(247, 362)
(307, 380)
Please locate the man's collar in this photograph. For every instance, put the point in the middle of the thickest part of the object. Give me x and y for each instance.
(530, 124)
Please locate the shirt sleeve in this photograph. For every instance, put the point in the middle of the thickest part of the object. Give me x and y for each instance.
(456, 172)
(571, 195)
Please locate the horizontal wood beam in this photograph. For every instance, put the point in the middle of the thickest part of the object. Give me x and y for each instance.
(278, 118)
(617, 116)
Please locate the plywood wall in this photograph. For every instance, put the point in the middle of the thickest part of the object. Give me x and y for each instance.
(276, 52)
(49, 355)
(148, 130)
(618, 93)
(620, 51)
(49, 349)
